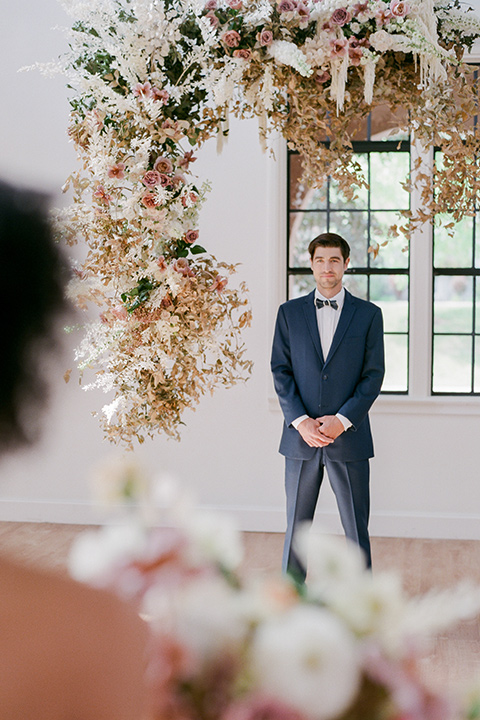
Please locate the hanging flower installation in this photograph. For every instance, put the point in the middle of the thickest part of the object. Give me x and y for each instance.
(153, 79)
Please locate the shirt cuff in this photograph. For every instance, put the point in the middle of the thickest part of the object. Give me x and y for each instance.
(345, 421)
(298, 420)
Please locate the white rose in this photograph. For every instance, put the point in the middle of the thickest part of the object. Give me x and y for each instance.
(309, 659)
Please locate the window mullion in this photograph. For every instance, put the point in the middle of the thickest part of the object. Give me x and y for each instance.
(421, 281)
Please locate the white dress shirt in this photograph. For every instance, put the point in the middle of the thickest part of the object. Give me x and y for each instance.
(327, 321)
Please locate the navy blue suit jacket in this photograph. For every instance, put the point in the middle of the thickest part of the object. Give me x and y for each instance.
(346, 382)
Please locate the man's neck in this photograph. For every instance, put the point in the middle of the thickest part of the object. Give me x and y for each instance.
(329, 293)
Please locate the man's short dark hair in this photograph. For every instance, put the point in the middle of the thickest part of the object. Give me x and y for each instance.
(330, 240)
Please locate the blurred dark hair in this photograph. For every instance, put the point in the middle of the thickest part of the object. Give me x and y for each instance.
(330, 240)
(32, 276)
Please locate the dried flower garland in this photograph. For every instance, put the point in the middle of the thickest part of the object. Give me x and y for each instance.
(153, 79)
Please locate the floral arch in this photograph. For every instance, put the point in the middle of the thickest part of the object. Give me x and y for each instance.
(154, 79)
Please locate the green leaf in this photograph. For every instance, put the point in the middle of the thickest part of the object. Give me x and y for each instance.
(197, 249)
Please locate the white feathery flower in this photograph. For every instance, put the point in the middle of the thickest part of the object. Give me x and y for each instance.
(287, 53)
(96, 552)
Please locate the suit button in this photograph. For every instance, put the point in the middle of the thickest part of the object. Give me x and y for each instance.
(325, 377)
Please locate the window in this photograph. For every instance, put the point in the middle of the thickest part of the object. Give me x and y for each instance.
(364, 222)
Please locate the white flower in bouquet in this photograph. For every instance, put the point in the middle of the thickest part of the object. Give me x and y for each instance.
(309, 659)
(95, 553)
(205, 615)
(214, 538)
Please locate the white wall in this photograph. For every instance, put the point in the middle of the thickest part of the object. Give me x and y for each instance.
(425, 475)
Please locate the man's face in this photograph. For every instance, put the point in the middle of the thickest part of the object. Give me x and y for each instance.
(328, 267)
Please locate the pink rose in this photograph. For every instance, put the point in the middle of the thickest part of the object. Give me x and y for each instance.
(143, 91)
(117, 171)
(243, 53)
(161, 95)
(265, 38)
(165, 181)
(383, 16)
(303, 12)
(338, 47)
(211, 5)
(285, 6)
(178, 180)
(149, 200)
(191, 236)
(235, 4)
(399, 8)
(341, 17)
(214, 21)
(163, 165)
(151, 178)
(231, 38)
(189, 199)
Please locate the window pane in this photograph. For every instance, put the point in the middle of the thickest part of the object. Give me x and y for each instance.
(357, 285)
(390, 293)
(301, 195)
(396, 363)
(337, 199)
(477, 366)
(393, 254)
(300, 285)
(303, 228)
(456, 251)
(353, 226)
(387, 171)
(452, 363)
(477, 310)
(453, 311)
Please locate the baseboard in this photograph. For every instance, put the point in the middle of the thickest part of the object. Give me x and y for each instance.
(262, 519)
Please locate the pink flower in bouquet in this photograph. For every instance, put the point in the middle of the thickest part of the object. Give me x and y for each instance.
(235, 4)
(191, 236)
(162, 263)
(243, 53)
(261, 708)
(189, 199)
(355, 55)
(322, 76)
(265, 38)
(150, 201)
(340, 17)
(214, 21)
(303, 12)
(383, 16)
(151, 178)
(182, 266)
(117, 171)
(231, 38)
(187, 159)
(161, 95)
(211, 5)
(399, 8)
(165, 181)
(178, 180)
(285, 6)
(143, 91)
(101, 195)
(220, 283)
(338, 47)
(163, 165)
(120, 313)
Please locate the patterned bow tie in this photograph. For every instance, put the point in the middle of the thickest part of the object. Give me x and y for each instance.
(320, 303)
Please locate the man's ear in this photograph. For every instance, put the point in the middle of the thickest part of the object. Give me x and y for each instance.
(347, 263)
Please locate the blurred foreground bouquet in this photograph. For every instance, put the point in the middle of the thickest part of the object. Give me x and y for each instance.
(345, 647)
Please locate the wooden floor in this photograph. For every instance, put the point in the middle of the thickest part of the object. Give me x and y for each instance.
(454, 658)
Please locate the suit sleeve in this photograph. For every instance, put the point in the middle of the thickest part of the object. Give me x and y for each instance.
(283, 377)
(373, 371)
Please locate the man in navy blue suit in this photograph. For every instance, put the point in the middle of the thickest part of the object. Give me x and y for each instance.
(328, 367)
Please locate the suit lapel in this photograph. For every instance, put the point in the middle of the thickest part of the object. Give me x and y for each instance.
(311, 319)
(348, 311)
